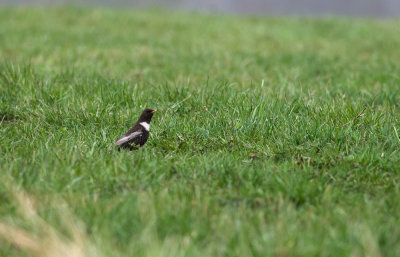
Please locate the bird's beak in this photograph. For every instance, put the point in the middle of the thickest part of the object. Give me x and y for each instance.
(154, 111)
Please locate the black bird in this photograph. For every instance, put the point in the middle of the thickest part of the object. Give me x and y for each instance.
(138, 134)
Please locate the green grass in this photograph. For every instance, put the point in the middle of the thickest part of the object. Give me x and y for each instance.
(315, 101)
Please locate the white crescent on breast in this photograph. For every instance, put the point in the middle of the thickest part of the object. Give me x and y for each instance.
(145, 125)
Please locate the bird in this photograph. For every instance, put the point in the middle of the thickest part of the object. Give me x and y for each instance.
(138, 134)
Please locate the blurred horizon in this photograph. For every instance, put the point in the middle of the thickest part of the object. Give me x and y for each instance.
(361, 8)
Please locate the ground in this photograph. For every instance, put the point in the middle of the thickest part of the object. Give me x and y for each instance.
(274, 136)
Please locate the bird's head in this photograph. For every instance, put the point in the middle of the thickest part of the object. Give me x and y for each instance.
(146, 116)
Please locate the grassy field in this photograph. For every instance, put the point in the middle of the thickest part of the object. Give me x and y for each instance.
(273, 136)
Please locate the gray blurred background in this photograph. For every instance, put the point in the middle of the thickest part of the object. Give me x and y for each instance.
(364, 8)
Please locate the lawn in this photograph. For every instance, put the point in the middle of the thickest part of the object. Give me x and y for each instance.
(274, 136)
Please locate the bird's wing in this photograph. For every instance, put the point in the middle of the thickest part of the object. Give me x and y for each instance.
(127, 138)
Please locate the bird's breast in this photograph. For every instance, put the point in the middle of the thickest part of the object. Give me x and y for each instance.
(145, 125)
